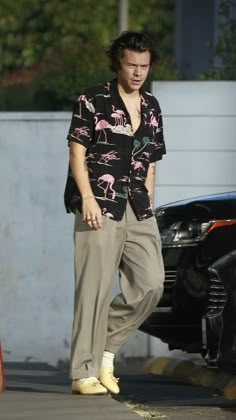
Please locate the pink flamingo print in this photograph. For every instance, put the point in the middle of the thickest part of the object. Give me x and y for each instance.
(101, 126)
(83, 131)
(88, 104)
(117, 118)
(106, 157)
(80, 99)
(122, 129)
(137, 165)
(119, 112)
(109, 180)
(91, 156)
(144, 103)
(153, 121)
(146, 154)
(105, 213)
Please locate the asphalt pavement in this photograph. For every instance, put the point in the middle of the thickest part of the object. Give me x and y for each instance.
(176, 400)
(38, 391)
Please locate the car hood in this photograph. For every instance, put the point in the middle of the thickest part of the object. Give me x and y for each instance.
(204, 208)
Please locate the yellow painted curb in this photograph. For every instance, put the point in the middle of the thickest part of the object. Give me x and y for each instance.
(183, 369)
(170, 366)
(223, 382)
(196, 374)
(208, 378)
(158, 366)
(229, 391)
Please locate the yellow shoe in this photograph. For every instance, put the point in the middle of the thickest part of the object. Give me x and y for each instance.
(90, 386)
(108, 380)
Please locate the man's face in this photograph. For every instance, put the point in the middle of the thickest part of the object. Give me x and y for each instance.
(134, 69)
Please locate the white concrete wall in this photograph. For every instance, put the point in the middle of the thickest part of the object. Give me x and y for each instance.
(36, 248)
(200, 131)
(36, 245)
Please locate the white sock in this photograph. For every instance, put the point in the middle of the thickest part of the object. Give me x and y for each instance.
(108, 359)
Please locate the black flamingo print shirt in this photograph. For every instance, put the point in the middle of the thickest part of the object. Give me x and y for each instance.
(117, 158)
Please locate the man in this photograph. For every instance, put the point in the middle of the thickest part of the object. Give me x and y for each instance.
(115, 138)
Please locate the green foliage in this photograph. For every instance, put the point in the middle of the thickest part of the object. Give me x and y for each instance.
(61, 81)
(224, 61)
(17, 97)
(157, 18)
(63, 43)
(31, 30)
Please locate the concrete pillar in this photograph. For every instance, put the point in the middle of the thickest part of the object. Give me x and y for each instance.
(123, 22)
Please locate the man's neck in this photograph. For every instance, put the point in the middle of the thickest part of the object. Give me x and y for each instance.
(129, 95)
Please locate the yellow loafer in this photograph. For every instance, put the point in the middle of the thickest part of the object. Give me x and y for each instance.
(108, 380)
(90, 386)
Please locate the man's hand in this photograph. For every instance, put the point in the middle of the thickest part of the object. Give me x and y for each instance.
(91, 212)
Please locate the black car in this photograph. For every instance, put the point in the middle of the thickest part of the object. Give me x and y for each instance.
(199, 251)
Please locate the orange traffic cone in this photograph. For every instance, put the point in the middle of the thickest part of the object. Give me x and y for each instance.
(2, 377)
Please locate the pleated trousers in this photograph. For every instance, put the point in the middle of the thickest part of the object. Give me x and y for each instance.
(134, 249)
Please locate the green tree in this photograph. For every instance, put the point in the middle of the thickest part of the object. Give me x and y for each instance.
(51, 50)
(157, 18)
(33, 30)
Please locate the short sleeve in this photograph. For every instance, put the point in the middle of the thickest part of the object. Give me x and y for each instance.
(82, 122)
(160, 148)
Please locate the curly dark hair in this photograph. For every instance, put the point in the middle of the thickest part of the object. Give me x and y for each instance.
(131, 40)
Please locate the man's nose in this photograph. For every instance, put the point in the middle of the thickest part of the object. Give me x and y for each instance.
(137, 70)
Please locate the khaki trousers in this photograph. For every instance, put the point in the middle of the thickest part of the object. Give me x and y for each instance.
(134, 248)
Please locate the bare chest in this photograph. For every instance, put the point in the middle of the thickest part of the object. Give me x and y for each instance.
(134, 111)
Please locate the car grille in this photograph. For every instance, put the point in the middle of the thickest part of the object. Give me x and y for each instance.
(216, 295)
(166, 302)
(166, 299)
(170, 278)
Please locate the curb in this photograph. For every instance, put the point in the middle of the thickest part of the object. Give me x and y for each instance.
(219, 381)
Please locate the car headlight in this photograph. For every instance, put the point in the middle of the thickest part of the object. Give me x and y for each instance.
(190, 233)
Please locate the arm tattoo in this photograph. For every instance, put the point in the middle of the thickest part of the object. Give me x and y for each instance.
(151, 199)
